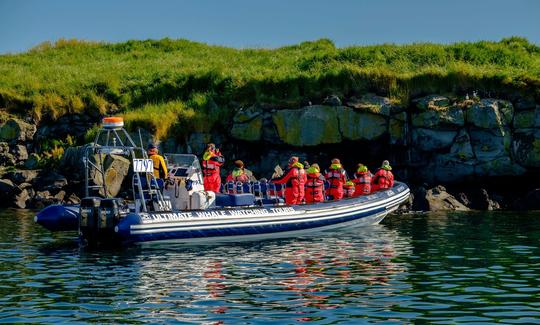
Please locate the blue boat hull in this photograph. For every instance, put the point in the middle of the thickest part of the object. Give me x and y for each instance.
(233, 224)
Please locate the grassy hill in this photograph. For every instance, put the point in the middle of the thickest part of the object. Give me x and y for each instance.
(164, 84)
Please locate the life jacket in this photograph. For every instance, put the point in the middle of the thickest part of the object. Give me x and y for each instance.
(314, 188)
(362, 183)
(211, 163)
(383, 179)
(336, 177)
(238, 175)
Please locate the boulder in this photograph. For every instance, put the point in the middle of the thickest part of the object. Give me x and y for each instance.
(15, 130)
(309, 126)
(431, 102)
(21, 200)
(490, 144)
(428, 139)
(250, 130)
(6, 158)
(490, 114)
(448, 117)
(360, 125)
(22, 176)
(116, 169)
(440, 200)
(49, 181)
(7, 189)
(332, 100)
(480, 200)
(526, 147)
(462, 149)
(371, 103)
(20, 153)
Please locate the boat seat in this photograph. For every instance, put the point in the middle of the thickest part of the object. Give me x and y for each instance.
(233, 200)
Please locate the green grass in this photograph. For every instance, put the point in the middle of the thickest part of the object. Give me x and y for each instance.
(167, 83)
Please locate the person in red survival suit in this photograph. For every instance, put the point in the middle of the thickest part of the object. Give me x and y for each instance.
(291, 178)
(383, 178)
(303, 179)
(314, 184)
(238, 174)
(362, 180)
(211, 163)
(348, 189)
(337, 178)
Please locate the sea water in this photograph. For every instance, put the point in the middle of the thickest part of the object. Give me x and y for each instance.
(432, 268)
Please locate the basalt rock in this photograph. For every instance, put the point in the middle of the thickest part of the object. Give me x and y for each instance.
(440, 200)
(15, 130)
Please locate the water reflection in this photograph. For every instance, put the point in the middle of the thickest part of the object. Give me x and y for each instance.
(428, 268)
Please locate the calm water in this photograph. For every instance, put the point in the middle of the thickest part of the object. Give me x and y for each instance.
(435, 268)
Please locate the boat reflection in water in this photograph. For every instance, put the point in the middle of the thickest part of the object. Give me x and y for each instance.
(274, 277)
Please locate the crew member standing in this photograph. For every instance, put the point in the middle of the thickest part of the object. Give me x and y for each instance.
(383, 178)
(291, 178)
(211, 163)
(362, 180)
(337, 178)
(160, 168)
(303, 179)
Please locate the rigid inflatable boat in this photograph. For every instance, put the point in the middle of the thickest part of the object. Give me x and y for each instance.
(179, 208)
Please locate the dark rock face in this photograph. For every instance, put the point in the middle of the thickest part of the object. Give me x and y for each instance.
(531, 201)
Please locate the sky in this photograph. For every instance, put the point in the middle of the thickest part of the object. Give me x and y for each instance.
(267, 24)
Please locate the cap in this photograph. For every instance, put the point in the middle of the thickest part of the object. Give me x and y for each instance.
(336, 161)
(211, 146)
(239, 163)
(152, 146)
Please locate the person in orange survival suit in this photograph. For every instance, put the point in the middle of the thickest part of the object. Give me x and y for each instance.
(291, 178)
(314, 184)
(337, 178)
(362, 180)
(211, 163)
(348, 189)
(303, 180)
(383, 178)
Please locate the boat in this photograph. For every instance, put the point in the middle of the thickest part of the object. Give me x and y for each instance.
(179, 209)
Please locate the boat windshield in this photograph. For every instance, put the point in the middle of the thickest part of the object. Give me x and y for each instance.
(183, 165)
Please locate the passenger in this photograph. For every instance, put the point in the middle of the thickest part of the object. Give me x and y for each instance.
(303, 180)
(383, 178)
(348, 189)
(314, 184)
(238, 174)
(211, 163)
(291, 178)
(160, 168)
(362, 180)
(337, 177)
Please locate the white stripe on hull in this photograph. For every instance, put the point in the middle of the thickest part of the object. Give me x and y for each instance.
(366, 221)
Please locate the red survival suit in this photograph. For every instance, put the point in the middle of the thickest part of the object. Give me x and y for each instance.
(336, 177)
(362, 183)
(314, 187)
(382, 180)
(291, 179)
(303, 180)
(211, 164)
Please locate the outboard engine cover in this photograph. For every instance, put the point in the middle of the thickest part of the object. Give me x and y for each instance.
(89, 214)
(98, 219)
(109, 214)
